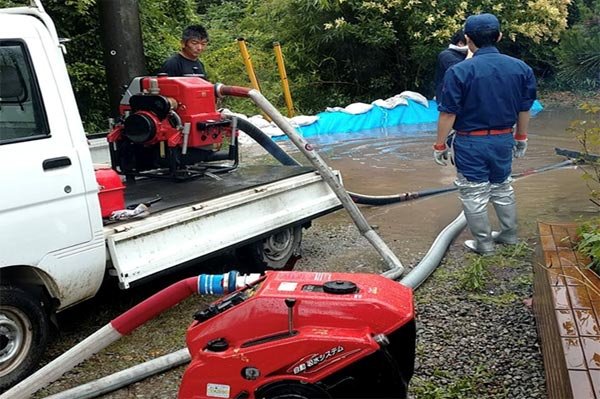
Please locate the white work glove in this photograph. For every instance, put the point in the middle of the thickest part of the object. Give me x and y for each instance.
(140, 211)
(440, 156)
(520, 148)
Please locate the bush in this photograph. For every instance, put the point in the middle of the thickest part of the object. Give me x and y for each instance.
(587, 133)
(578, 53)
(589, 242)
(579, 58)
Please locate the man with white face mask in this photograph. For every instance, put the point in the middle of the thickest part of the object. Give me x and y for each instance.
(456, 52)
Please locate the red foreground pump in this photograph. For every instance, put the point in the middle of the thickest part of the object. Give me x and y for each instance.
(169, 127)
(303, 336)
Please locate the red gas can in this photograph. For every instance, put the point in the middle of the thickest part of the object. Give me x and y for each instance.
(111, 190)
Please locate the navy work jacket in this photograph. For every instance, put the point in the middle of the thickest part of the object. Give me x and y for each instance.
(445, 60)
(487, 91)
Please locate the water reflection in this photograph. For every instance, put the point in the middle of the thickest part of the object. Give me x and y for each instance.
(411, 142)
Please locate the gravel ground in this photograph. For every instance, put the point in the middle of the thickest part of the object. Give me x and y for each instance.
(470, 343)
(478, 344)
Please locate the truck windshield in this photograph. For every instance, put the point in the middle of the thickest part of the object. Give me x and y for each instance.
(21, 112)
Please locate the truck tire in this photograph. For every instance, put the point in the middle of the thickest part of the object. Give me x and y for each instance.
(24, 328)
(272, 252)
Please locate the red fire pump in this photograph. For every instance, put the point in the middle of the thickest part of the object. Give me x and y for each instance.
(169, 127)
(304, 336)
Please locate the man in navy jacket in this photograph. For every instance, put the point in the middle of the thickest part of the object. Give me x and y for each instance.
(486, 99)
(456, 52)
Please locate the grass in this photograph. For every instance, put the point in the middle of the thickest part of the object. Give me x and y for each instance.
(455, 387)
(503, 299)
(476, 276)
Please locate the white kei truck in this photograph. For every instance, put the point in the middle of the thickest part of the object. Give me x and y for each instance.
(56, 250)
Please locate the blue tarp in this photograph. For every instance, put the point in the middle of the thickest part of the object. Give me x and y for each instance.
(378, 117)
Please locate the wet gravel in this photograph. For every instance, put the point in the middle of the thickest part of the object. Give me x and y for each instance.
(469, 343)
(478, 344)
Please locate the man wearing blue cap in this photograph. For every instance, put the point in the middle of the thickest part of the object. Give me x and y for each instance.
(482, 99)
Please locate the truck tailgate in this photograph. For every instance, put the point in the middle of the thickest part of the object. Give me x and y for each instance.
(198, 218)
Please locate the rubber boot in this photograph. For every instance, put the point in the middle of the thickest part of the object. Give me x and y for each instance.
(507, 215)
(503, 199)
(479, 224)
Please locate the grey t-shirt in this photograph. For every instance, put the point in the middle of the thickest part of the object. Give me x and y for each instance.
(178, 65)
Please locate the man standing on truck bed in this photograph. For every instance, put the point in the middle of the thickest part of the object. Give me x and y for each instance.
(482, 99)
(194, 40)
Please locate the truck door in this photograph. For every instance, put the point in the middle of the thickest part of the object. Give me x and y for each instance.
(43, 206)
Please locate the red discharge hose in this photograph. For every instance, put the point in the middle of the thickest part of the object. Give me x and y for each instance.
(235, 91)
(155, 305)
(111, 332)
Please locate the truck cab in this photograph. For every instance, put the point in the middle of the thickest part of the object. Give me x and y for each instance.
(52, 250)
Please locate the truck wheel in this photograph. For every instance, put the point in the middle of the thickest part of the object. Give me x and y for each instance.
(23, 334)
(273, 252)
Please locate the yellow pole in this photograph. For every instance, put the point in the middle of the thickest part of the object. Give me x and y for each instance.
(248, 63)
(284, 80)
(250, 68)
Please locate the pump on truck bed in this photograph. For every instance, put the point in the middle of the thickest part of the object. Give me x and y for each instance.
(56, 248)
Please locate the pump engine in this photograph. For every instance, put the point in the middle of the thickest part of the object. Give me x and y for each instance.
(304, 335)
(169, 127)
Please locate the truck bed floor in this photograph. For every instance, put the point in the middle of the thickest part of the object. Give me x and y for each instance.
(177, 193)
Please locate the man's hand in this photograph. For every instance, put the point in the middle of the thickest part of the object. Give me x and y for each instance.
(440, 154)
(520, 147)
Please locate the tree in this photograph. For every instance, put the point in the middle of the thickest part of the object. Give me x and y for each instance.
(579, 50)
(355, 50)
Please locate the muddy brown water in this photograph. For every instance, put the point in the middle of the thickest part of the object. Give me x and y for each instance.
(379, 163)
(391, 163)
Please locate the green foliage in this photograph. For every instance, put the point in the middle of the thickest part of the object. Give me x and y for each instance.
(511, 253)
(336, 52)
(455, 387)
(587, 132)
(475, 276)
(162, 23)
(226, 22)
(359, 51)
(12, 3)
(578, 53)
(504, 299)
(78, 21)
(589, 242)
(579, 58)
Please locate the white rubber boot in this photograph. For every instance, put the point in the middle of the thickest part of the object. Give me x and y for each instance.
(479, 224)
(503, 199)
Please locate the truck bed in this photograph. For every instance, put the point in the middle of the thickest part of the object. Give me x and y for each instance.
(173, 194)
(199, 218)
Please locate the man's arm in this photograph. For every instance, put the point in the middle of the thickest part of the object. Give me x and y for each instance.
(440, 149)
(522, 125)
(444, 126)
(521, 134)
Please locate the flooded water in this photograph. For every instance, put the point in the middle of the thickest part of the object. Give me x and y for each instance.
(396, 161)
